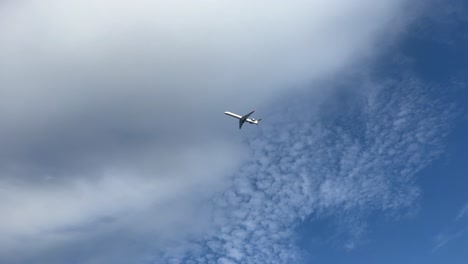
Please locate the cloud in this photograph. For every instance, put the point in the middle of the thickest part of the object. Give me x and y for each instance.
(359, 158)
(463, 212)
(112, 120)
(442, 239)
(459, 229)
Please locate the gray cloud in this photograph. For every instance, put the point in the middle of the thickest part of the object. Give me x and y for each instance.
(111, 110)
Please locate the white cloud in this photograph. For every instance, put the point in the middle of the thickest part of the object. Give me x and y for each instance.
(113, 110)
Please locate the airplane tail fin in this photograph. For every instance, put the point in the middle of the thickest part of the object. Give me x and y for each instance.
(258, 121)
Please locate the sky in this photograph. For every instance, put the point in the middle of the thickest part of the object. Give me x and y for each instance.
(115, 148)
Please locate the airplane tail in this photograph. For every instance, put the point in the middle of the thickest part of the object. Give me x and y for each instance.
(258, 121)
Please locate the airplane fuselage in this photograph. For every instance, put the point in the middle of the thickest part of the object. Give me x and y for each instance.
(249, 120)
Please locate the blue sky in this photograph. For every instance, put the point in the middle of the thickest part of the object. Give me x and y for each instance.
(115, 148)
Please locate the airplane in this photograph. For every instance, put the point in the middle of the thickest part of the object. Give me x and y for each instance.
(243, 119)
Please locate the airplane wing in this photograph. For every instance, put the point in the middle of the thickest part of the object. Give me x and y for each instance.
(243, 118)
(247, 115)
(241, 122)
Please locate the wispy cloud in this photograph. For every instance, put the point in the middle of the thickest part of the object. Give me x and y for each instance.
(458, 230)
(361, 157)
(442, 240)
(463, 212)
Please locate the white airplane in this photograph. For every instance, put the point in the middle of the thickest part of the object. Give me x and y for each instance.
(243, 119)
